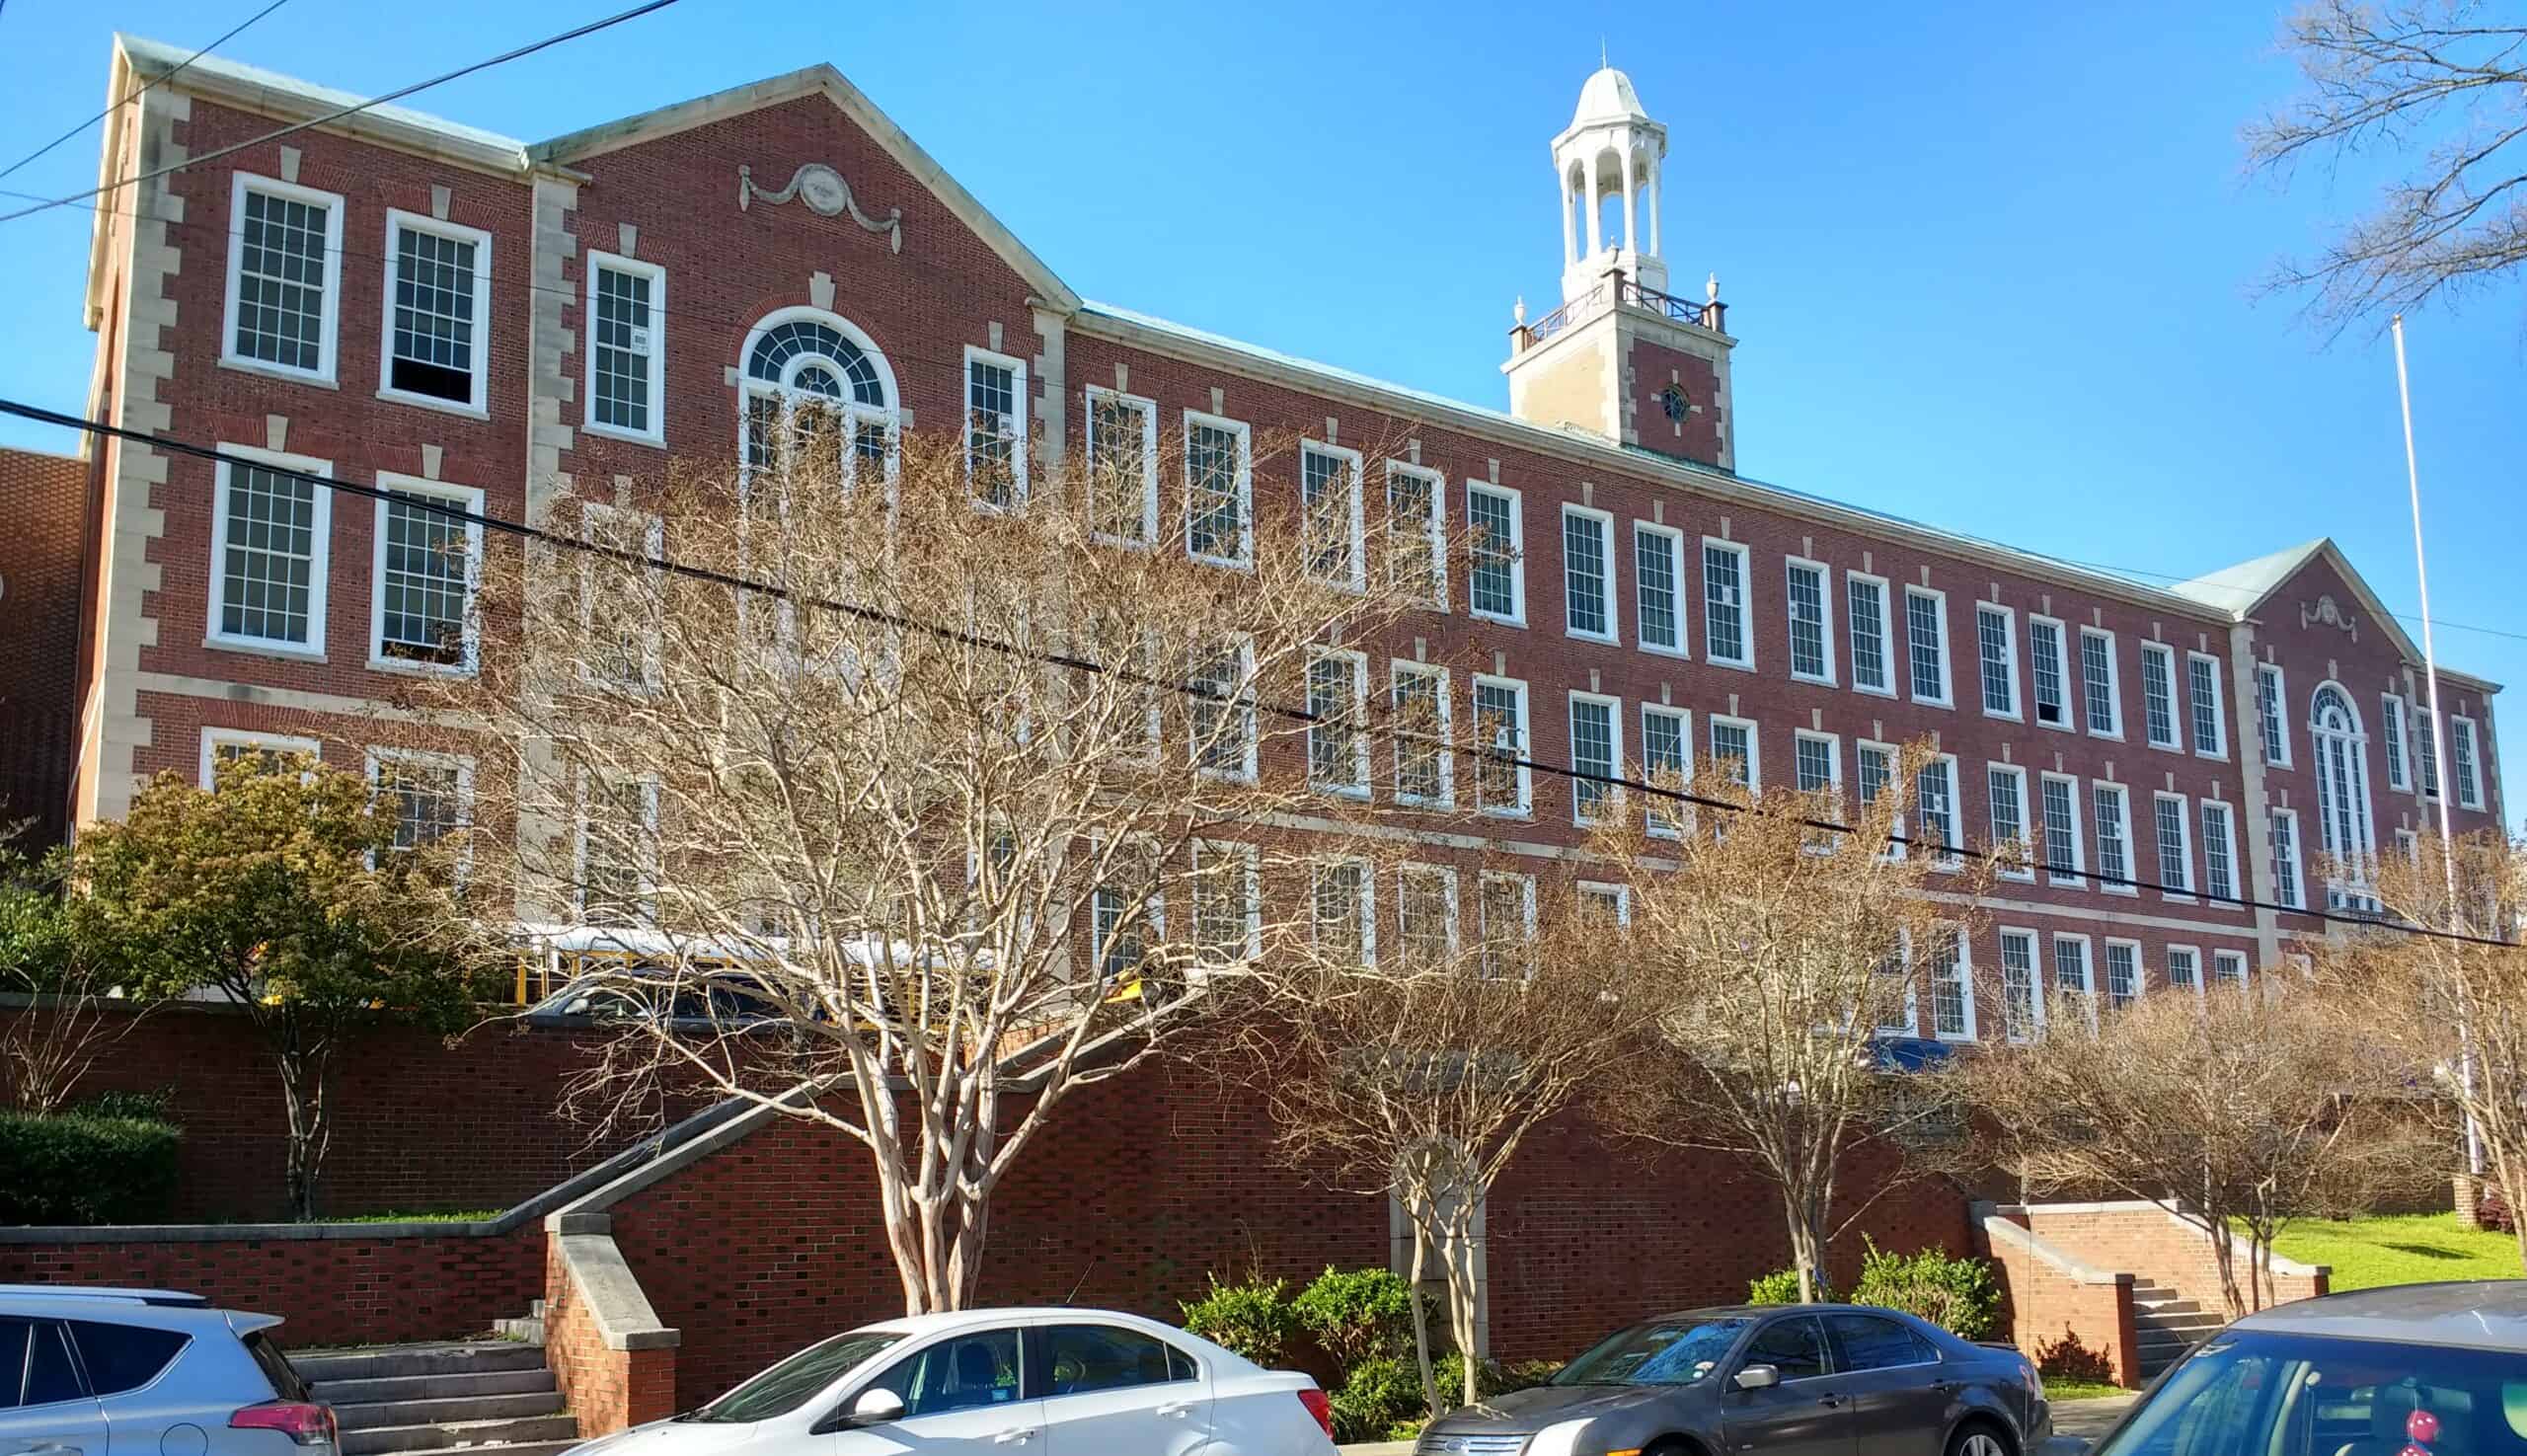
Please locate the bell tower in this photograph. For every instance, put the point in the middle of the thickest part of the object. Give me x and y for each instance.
(1622, 357)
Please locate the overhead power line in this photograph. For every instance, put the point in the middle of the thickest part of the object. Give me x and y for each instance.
(668, 565)
(142, 90)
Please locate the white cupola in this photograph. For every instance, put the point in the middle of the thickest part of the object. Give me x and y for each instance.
(1612, 149)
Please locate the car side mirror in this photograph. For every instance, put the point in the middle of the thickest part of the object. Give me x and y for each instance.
(877, 1407)
(1759, 1377)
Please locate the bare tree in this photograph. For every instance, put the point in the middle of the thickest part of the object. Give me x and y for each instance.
(1416, 1039)
(1783, 953)
(2427, 84)
(906, 793)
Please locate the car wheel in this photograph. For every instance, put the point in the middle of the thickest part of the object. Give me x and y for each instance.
(1977, 1441)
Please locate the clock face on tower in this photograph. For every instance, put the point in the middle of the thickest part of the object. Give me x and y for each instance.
(1673, 404)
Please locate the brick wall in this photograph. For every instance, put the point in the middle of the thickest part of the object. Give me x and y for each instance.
(40, 601)
(609, 1389)
(2051, 1306)
(2142, 1238)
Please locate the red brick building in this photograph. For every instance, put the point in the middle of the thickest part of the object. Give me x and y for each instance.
(399, 300)
(41, 558)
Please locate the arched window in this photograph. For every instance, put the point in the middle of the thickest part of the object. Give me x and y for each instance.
(814, 384)
(2342, 793)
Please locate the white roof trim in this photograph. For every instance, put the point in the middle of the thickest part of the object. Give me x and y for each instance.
(2242, 590)
(258, 90)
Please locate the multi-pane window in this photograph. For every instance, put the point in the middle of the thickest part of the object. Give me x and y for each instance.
(2046, 672)
(1813, 763)
(268, 557)
(1868, 601)
(1415, 535)
(1496, 585)
(430, 795)
(2021, 996)
(618, 601)
(2345, 828)
(1732, 751)
(283, 272)
(2425, 751)
(1952, 987)
(2062, 859)
(2184, 968)
(2098, 685)
(2122, 973)
(1219, 712)
(1337, 751)
(2175, 866)
(1658, 586)
(1926, 642)
(2462, 764)
(2157, 695)
(1225, 910)
(1587, 571)
(617, 851)
(426, 567)
(2110, 806)
(1935, 802)
(1812, 634)
(2229, 967)
(1331, 508)
(1216, 480)
(1596, 752)
(2269, 698)
(437, 309)
(995, 434)
(1501, 775)
(2219, 858)
(1998, 657)
(1342, 913)
(2073, 989)
(2285, 857)
(1665, 757)
(1608, 906)
(1127, 917)
(1897, 1013)
(1424, 768)
(1723, 605)
(2390, 735)
(626, 345)
(2006, 786)
(1426, 913)
(816, 398)
(1508, 905)
(1875, 763)
(1123, 468)
(2203, 695)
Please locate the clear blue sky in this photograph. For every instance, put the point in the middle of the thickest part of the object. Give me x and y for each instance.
(1990, 265)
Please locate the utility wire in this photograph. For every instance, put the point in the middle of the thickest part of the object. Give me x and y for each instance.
(143, 90)
(574, 34)
(668, 565)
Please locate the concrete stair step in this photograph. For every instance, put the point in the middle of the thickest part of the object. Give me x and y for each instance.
(437, 1435)
(2192, 1324)
(390, 1361)
(449, 1409)
(432, 1387)
(2167, 1306)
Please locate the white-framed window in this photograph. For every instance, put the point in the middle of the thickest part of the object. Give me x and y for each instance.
(1659, 588)
(2065, 862)
(2184, 968)
(1426, 912)
(2338, 749)
(627, 349)
(2073, 978)
(2203, 695)
(2269, 694)
(426, 570)
(1926, 645)
(1122, 460)
(2390, 735)
(1127, 915)
(2465, 763)
(2049, 670)
(1996, 648)
(1588, 573)
(435, 346)
(2021, 989)
(226, 745)
(1900, 1015)
(1608, 906)
(1734, 757)
(1935, 808)
(270, 552)
(1506, 904)
(1228, 912)
(2176, 861)
(619, 625)
(1497, 583)
(1338, 746)
(2229, 967)
(2285, 858)
(2219, 853)
(1727, 635)
(1334, 515)
(432, 795)
(2158, 697)
(995, 429)
(1417, 533)
(2005, 786)
(2100, 691)
(284, 278)
(2110, 811)
(2122, 973)
(1425, 767)
(1596, 748)
(1503, 776)
(1343, 920)
(1810, 585)
(2408, 845)
(1220, 710)
(1951, 976)
(1874, 764)
(1817, 762)
(1219, 489)
(2426, 748)
(617, 865)
(1666, 759)
(815, 392)
(1871, 633)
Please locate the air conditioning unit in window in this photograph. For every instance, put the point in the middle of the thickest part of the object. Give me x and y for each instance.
(640, 344)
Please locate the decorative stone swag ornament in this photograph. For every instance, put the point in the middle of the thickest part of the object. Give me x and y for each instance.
(825, 192)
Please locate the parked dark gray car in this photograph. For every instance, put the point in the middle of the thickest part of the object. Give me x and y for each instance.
(1806, 1380)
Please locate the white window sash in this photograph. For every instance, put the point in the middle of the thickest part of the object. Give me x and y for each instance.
(1743, 604)
(466, 498)
(655, 362)
(1947, 690)
(320, 559)
(475, 403)
(1791, 566)
(328, 353)
(1516, 549)
(1676, 577)
(1243, 485)
(1146, 411)
(1602, 526)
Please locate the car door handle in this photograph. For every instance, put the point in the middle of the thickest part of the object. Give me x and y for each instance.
(1175, 1408)
(49, 1448)
(1015, 1437)
(1829, 1400)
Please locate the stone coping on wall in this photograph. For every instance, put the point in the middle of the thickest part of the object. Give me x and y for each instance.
(605, 1283)
(1997, 1223)
(2276, 1263)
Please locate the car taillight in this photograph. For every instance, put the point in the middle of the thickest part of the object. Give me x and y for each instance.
(304, 1421)
(1320, 1407)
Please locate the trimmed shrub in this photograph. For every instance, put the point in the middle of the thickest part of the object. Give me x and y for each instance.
(157, 1105)
(1959, 1296)
(1781, 1287)
(1253, 1318)
(1490, 1378)
(1375, 1397)
(2068, 1359)
(77, 1167)
(1358, 1316)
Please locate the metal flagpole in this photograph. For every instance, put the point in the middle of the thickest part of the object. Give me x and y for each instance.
(2438, 737)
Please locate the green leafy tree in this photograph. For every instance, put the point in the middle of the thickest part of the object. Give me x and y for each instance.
(282, 890)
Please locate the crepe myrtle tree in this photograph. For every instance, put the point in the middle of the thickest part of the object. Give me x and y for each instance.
(1782, 953)
(926, 794)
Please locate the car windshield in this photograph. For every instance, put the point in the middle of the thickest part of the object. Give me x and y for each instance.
(1660, 1353)
(787, 1386)
(2254, 1393)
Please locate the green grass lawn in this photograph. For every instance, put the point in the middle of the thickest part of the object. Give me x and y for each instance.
(2399, 1248)
(2058, 1390)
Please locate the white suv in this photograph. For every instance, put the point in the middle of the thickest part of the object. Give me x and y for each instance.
(147, 1372)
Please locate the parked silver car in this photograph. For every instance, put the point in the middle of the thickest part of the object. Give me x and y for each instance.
(148, 1373)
